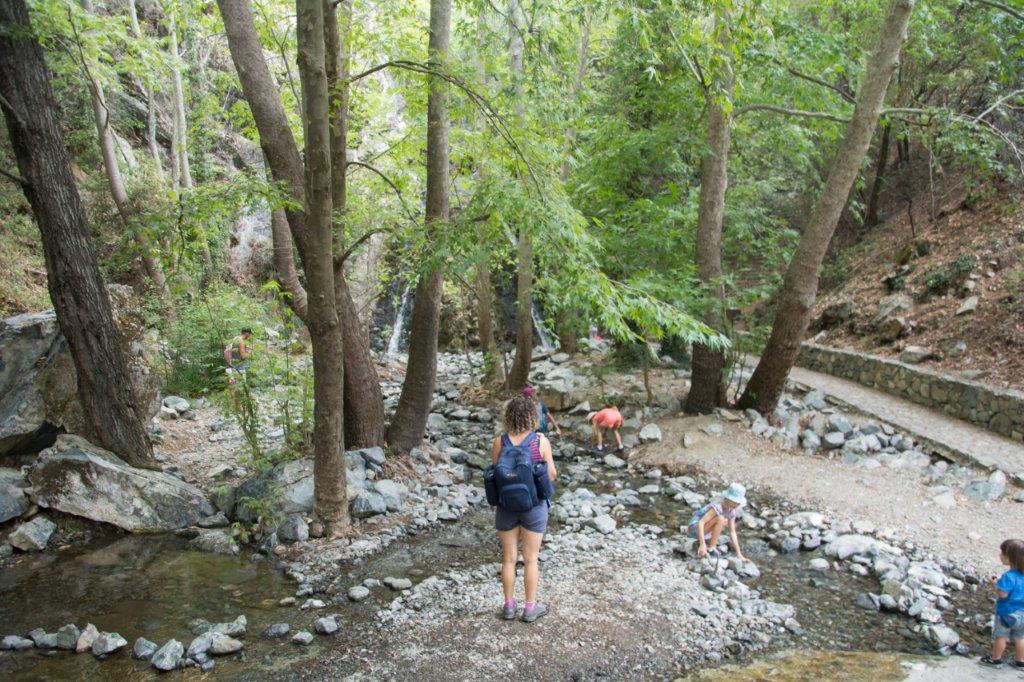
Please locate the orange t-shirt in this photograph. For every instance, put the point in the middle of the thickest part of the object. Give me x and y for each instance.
(608, 418)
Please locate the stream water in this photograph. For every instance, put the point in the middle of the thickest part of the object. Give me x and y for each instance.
(153, 586)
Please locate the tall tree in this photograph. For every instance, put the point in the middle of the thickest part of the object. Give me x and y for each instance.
(519, 373)
(364, 403)
(73, 276)
(108, 150)
(800, 286)
(707, 387)
(318, 263)
(410, 420)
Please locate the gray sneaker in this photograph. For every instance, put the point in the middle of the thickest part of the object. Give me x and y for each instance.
(538, 610)
(509, 612)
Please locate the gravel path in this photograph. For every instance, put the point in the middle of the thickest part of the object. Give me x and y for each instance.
(971, 444)
(889, 498)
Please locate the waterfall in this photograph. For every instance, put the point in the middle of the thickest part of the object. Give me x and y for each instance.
(545, 343)
(396, 332)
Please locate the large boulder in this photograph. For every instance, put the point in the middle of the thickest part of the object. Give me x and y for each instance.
(79, 478)
(288, 486)
(38, 386)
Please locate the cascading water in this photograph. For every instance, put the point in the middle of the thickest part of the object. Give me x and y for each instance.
(545, 343)
(395, 341)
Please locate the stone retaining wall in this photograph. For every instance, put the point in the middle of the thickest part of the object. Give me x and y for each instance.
(999, 410)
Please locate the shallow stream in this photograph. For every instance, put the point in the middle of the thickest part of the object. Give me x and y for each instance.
(153, 586)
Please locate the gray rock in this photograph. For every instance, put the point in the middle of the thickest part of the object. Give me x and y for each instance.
(397, 583)
(942, 636)
(107, 643)
(277, 630)
(13, 502)
(914, 354)
(613, 462)
(168, 656)
(845, 546)
(38, 386)
(968, 306)
(303, 638)
(650, 433)
(222, 645)
(368, 504)
(603, 524)
(819, 564)
(143, 649)
(809, 440)
(291, 483)
(436, 422)
(33, 534)
(218, 520)
(988, 490)
(392, 493)
(176, 403)
(86, 638)
(892, 305)
(867, 601)
(76, 477)
(215, 541)
(65, 638)
(293, 529)
(16, 643)
(833, 440)
(838, 422)
(200, 645)
(358, 593)
(374, 457)
(325, 626)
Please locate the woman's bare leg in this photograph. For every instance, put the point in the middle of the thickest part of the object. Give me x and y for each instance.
(531, 572)
(509, 554)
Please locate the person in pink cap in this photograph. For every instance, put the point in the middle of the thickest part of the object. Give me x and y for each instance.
(544, 416)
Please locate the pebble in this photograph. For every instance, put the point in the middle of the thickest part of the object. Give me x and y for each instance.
(302, 637)
(277, 630)
(398, 583)
(358, 593)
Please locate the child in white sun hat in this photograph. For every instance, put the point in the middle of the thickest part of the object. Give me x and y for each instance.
(709, 521)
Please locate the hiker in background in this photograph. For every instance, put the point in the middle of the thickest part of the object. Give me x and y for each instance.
(709, 521)
(236, 356)
(607, 418)
(544, 416)
(1008, 622)
(526, 527)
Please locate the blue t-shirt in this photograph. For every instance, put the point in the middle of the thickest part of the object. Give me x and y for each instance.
(1012, 583)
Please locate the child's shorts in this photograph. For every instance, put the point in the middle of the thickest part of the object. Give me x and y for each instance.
(999, 629)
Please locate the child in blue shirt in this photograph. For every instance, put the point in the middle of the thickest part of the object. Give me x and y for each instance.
(1009, 619)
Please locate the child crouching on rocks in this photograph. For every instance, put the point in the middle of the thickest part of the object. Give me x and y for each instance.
(707, 523)
(1008, 622)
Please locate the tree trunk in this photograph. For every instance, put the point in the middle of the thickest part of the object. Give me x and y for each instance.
(74, 282)
(324, 328)
(871, 214)
(800, 286)
(154, 148)
(284, 263)
(410, 420)
(519, 374)
(707, 387)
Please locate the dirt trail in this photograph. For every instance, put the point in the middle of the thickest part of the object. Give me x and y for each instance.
(889, 498)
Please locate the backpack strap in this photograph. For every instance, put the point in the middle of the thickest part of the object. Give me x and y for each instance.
(528, 441)
(505, 441)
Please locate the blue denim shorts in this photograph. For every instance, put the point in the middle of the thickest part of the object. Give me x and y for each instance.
(535, 520)
(999, 629)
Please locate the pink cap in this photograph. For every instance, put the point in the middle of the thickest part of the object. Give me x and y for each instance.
(529, 391)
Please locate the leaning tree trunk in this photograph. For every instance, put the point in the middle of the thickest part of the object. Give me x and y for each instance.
(519, 373)
(76, 288)
(410, 420)
(874, 199)
(707, 387)
(800, 286)
(147, 93)
(324, 328)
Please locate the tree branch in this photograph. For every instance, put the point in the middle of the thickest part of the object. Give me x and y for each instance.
(1019, 16)
(739, 111)
(14, 177)
(409, 214)
(817, 81)
(340, 259)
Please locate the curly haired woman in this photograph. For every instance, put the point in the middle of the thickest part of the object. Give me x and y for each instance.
(528, 527)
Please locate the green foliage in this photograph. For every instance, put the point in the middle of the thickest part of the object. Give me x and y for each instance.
(938, 281)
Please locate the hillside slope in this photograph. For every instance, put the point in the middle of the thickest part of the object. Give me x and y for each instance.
(954, 288)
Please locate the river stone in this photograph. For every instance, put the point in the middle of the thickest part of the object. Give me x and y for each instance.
(942, 636)
(215, 541)
(86, 638)
(373, 457)
(303, 638)
(13, 502)
(290, 483)
(168, 656)
(222, 645)
(833, 440)
(107, 643)
(392, 493)
(614, 462)
(293, 529)
(368, 504)
(65, 638)
(200, 645)
(143, 649)
(358, 593)
(76, 477)
(277, 630)
(838, 422)
(16, 643)
(809, 440)
(845, 546)
(176, 403)
(603, 524)
(38, 385)
(33, 534)
(397, 583)
(325, 626)
(650, 433)
(988, 490)
(819, 564)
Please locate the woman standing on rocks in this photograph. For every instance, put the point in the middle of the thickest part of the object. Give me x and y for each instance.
(527, 527)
